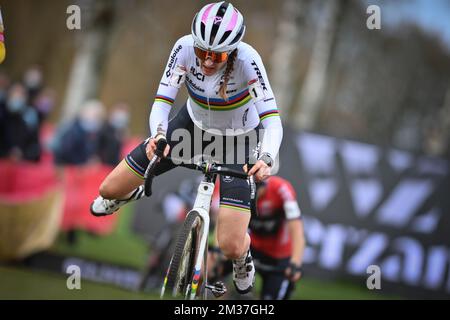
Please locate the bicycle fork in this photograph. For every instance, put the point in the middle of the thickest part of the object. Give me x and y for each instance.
(202, 206)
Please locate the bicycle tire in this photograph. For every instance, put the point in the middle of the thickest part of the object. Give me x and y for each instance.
(157, 272)
(181, 268)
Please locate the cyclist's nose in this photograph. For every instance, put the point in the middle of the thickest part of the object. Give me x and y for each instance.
(208, 62)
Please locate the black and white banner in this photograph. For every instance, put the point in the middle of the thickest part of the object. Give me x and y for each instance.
(366, 205)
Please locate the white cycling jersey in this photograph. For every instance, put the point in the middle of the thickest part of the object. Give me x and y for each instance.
(250, 97)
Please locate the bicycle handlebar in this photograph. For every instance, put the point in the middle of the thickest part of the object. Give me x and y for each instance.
(204, 166)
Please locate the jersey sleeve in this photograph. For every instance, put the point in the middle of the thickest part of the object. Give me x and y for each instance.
(285, 191)
(265, 102)
(168, 88)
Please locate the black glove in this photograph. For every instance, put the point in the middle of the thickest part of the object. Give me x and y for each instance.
(293, 270)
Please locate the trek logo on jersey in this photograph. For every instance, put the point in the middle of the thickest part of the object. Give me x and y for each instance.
(172, 59)
(198, 75)
(258, 73)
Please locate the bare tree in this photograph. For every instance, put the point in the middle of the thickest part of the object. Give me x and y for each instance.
(282, 73)
(438, 130)
(98, 18)
(313, 86)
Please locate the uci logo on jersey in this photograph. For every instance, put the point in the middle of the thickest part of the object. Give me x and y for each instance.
(198, 75)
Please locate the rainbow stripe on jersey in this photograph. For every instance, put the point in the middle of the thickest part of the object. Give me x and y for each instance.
(164, 99)
(215, 104)
(268, 114)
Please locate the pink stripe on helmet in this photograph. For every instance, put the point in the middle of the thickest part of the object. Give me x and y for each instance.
(233, 21)
(206, 13)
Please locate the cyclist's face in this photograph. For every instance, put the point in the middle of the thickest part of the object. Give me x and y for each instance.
(210, 61)
(209, 67)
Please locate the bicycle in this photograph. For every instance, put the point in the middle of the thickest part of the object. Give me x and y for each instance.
(186, 275)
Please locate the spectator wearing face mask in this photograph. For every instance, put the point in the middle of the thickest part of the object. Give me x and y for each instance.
(113, 134)
(77, 144)
(21, 126)
(33, 81)
(4, 84)
(44, 104)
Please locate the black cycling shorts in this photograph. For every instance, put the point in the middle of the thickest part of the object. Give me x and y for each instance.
(275, 285)
(233, 151)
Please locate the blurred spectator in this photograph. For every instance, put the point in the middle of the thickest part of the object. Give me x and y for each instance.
(23, 108)
(113, 134)
(20, 126)
(44, 103)
(4, 84)
(77, 143)
(32, 80)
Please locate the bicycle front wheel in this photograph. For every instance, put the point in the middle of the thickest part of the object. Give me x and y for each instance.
(180, 274)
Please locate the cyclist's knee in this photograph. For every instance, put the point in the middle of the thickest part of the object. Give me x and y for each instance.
(107, 191)
(232, 249)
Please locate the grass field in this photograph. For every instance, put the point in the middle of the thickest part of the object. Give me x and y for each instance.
(125, 248)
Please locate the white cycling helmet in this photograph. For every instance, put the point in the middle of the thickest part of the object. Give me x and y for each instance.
(218, 27)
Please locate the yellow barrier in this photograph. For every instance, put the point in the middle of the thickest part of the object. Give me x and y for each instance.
(29, 227)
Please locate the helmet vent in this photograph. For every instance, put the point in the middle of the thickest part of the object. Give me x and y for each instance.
(202, 30)
(218, 21)
(239, 35)
(224, 37)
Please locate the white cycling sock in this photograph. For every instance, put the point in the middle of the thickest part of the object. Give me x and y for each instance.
(241, 260)
(136, 194)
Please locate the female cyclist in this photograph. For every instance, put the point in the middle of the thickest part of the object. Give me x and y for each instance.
(230, 100)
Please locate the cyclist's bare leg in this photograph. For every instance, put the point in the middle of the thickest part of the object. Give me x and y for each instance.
(120, 183)
(232, 235)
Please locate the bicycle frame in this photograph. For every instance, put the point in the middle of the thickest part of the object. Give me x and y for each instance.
(202, 206)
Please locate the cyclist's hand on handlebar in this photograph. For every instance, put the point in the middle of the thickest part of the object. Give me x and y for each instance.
(260, 170)
(151, 147)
